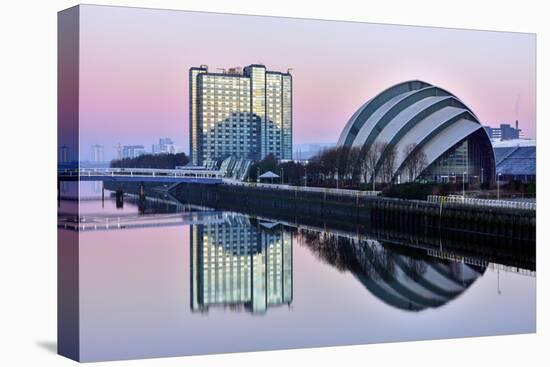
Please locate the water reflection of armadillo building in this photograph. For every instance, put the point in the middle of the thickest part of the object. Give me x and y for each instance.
(240, 264)
(408, 280)
(414, 283)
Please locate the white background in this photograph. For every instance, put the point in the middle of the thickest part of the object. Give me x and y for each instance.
(28, 165)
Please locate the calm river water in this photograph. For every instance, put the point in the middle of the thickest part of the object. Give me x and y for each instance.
(161, 279)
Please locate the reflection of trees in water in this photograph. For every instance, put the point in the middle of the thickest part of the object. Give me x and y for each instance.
(346, 254)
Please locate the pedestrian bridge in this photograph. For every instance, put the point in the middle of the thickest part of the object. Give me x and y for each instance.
(142, 175)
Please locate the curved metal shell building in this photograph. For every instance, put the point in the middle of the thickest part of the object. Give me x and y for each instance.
(416, 114)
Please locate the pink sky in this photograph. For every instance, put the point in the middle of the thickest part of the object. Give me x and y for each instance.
(134, 69)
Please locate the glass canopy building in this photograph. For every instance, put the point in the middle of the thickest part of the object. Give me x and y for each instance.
(415, 116)
(244, 113)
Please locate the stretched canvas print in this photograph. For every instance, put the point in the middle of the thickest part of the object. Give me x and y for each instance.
(233, 183)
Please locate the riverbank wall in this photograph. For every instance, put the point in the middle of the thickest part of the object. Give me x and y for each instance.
(365, 211)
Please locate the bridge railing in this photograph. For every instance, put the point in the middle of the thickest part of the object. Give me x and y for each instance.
(67, 172)
(457, 199)
(326, 190)
(141, 172)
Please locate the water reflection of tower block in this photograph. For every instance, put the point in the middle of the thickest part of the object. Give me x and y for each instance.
(258, 301)
(271, 270)
(279, 268)
(239, 265)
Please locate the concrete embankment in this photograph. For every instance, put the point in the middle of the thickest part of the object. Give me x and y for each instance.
(364, 211)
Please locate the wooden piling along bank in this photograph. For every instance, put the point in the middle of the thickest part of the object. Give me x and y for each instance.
(366, 211)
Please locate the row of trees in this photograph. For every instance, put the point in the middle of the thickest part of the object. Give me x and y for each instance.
(339, 166)
(371, 163)
(347, 166)
(161, 161)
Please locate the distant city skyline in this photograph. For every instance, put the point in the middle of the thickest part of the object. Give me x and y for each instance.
(134, 69)
(100, 153)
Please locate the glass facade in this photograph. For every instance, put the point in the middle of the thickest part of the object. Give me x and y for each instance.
(240, 264)
(286, 116)
(451, 164)
(469, 160)
(194, 140)
(257, 74)
(244, 114)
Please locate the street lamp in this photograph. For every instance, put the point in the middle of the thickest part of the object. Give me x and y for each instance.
(282, 176)
(498, 186)
(463, 185)
(305, 176)
(337, 178)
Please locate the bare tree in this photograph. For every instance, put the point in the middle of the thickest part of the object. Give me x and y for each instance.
(387, 166)
(334, 163)
(368, 158)
(342, 164)
(409, 162)
(353, 164)
(416, 161)
(422, 161)
(328, 162)
(364, 162)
